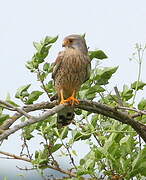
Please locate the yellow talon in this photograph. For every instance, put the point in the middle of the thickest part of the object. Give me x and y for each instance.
(63, 101)
(72, 100)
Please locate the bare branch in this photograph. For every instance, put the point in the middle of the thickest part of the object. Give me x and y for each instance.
(133, 109)
(32, 120)
(28, 108)
(28, 160)
(69, 153)
(120, 102)
(13, 108)
(42, 82)
(111, 112)
(94, 107)
(15, 156)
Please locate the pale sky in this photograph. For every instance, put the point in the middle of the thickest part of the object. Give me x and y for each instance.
(114, 26)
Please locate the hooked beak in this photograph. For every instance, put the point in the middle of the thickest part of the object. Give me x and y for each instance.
(65, 42)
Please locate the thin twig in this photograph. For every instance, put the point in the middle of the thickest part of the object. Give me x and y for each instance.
(25, 145)
(70, 156)
(11, 107)
(30, 121)
(140, 53)
(26, 169)
(94, 107)
(120, 102)
(140, 112)
(28, 160)
(43, 85)
(28, 108)
(15, 156)
(50, 153)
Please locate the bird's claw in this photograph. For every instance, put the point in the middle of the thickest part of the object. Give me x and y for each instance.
(71, 100)
(63, 101)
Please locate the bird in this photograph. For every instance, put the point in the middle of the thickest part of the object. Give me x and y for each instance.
(71, 69)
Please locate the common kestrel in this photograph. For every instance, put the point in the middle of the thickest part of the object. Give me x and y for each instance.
(71, 69)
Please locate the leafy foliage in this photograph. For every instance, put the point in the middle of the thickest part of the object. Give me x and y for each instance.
(98, 54)
(114, 149)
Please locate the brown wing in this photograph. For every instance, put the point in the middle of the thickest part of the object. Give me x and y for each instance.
(57, 64)
(88, 69)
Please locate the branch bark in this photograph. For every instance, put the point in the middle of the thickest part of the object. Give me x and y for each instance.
(94, 107)
(30, 121)
(28, 160)
(28, 108)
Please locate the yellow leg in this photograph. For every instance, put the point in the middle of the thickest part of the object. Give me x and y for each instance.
(63, 101)
(72, 100)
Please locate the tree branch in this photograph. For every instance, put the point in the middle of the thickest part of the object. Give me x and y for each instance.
(13, 156)
(30, 121)
(111, 112)
(120, 102)
(13, 108)
(28, 108)
(133, 109)
(94, 107)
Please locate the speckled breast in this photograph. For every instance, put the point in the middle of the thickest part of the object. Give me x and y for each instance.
(72, 71)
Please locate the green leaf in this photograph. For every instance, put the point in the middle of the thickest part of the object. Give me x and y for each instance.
(76, 135)
(85, 136)
(98, 54)
(40, 56)
(22, 91)
(36, 154)
(56, 132)
(1, 110)
(124, 139)
(64, 133)
(27, 131)
(103, 75)
(55, 148)
(33, 96)
(88, 162)
(94, 120)
(137, 85)
(95, 89)
(50, 40)
(74, 152)
(43, 162)
(31, 65)
(8, 99)
(98, 154)
(3, 117)
(127, 93)
(37, 46)
(78, 111)
(41, 76)
(142, 104)
(90, 96)
(139, 164)
(109, 143)
(46, 66)
(49, 87)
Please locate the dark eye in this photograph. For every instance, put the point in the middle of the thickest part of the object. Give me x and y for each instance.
(70, 40)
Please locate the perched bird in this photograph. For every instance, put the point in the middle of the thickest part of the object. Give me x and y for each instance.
(71, 69)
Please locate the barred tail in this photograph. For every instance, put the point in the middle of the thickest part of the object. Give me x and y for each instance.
(65, 116)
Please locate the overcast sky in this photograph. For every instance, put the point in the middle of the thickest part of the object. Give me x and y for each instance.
(114, 26)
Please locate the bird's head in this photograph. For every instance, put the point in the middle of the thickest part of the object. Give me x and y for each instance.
(75, 42)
